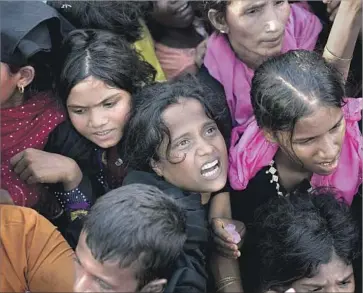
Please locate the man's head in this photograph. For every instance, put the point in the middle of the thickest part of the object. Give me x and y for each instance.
(129, 240)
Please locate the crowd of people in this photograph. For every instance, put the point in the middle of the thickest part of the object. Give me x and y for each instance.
(181, 146)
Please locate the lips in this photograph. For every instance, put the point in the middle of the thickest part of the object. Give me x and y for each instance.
(329, 166)
(102, 133)
(211, 169)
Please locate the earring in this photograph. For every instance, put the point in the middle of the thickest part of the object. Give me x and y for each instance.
(21, 89)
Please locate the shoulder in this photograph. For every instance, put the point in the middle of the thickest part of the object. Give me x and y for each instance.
(204, 77)
(20, 225)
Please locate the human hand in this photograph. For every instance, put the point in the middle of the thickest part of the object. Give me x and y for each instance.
(37, 166)
(226, 245)
(332, 8)
(154, 286)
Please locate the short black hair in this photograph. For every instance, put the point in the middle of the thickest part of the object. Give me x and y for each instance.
(292, 236)
(105, 56)
(137, 225)
(120, 17)
(146, 130)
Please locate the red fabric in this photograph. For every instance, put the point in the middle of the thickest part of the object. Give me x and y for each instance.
(22, 127)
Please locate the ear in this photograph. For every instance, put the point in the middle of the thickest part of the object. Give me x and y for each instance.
(27, 74)
(155, 286)
(269, 135)
(156, 167)
(218, 21)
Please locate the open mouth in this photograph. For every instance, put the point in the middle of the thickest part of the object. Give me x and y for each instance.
(210, 169)
(103, 133)
(330, 164)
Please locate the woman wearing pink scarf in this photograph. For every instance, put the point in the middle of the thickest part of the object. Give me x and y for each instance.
(252, 31)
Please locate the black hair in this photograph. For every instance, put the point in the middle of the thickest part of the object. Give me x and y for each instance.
(291, 236)
(137, 225)
(287, 87)
(104, 56)
(120, 17)
(146, 129)
(284, 87)
(44, 75)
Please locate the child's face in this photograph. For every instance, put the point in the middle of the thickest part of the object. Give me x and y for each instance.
(195, 158)
(108, 276)
(98, 111)
(317, 140)
(93, 276)
(335, 276)
(176, 14)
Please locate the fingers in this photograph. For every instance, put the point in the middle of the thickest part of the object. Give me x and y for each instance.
(154, 286)
(226, 249)
(15, 159)
(218, 229)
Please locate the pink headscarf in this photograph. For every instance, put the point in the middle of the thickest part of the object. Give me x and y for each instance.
(250, 151)
(301, 32)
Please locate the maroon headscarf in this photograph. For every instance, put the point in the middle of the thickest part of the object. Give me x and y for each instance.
(22, 127)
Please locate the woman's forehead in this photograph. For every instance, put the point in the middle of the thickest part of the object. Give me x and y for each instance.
(319, 122)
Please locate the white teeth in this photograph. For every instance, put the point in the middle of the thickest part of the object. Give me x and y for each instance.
(210, 165)
(103, 132)
(211, 173)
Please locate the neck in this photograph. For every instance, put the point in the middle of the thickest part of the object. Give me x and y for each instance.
(205, 198)
(15, 100)
(290, 172)
(251, 59)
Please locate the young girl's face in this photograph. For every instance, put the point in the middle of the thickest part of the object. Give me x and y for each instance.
(335, 276)
(317, 140)
(195, 158)
(99, 112)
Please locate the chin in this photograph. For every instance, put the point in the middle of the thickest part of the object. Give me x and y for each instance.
(216, 186)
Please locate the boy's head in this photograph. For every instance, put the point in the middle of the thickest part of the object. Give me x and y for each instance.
(129, 240)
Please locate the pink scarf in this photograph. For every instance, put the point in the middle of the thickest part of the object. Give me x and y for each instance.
(174, 61)
(301, 32)
(253, 152)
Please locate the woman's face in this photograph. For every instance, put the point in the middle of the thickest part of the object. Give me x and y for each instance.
(335, 276)
(317, 140)
(256, 28)
(175, 14)
(195, 158)
(9, 93)
(98, 111)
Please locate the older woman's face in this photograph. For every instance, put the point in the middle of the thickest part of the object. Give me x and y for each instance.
(256, 27)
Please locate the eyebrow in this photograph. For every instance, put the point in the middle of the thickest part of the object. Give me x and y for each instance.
(104, 100)
(346, 278)
(76, 258)
(311, 137)
(322, 285)
(254, 6)
(209, 123)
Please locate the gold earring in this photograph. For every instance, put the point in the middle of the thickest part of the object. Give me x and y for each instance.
(21, 89)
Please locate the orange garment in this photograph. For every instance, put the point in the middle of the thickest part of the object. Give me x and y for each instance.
(33, 254)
